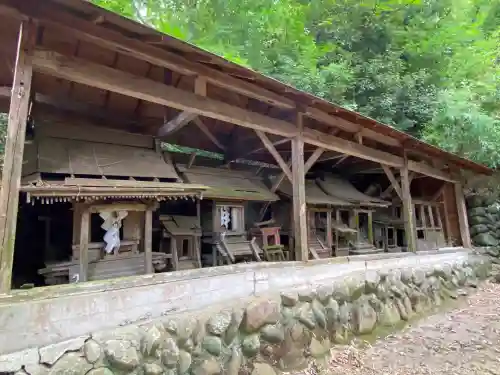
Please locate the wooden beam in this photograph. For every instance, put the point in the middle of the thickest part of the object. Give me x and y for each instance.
(253, 149)
(148, 241)
(184, 118)
(351, 127)
(14, 149)
(177, 123)
(425, 169)
(201, 125)
(408, 215)
(299, 196)
(393, 181)
(313, 158)
(95, 75)
(462, 216)
(84, 245)
(386, 192)
(105, 78)
(329, 142)
(272, 150)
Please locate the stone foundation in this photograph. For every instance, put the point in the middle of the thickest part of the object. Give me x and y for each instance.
(266, 334)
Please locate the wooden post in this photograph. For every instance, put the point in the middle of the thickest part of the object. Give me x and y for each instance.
(370, 228)
(462, 216)
(409, 218)
(299, 195)
(14, 149)
(77, 218)
(329, 239)
(148, 241)
(84, 245)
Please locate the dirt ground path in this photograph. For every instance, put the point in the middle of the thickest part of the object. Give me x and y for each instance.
(464, 340)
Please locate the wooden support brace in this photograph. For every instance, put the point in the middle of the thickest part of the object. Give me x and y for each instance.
(394, 183)
(272, 150)
(201, 125)
(313, 158)
(14, 149)
(184, 118)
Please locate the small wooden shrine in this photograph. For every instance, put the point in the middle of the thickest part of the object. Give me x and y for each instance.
(320, 207)
(359, 217)
(184, 235)
(112, 190)
(388, 230)
(227, 207)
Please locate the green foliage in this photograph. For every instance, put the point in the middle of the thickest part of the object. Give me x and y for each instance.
(429, 67)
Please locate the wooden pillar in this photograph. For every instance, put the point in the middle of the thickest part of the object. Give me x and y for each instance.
(148, 241)
(409, 218)
(77, 219)
(370, 228)
(14, 149)
(329, 239)
(462, 216)
(299, 195)
(84, 244)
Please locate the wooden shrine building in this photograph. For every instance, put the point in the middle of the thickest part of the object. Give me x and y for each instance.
(89, 201)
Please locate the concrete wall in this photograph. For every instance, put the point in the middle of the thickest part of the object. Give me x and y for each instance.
(49, 315)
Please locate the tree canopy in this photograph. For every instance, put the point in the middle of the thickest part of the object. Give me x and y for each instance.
(428, 67)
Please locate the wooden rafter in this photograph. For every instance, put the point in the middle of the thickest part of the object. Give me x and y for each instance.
(341, 160)
(272, 150)
(394, 182)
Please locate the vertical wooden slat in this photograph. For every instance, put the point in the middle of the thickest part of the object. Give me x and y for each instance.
(77, 218)
(14, 148)
(447, 225)
(84, 245)
(148, 241)
(431, 217)
(462, 216)
(299, 195)
(409, 218)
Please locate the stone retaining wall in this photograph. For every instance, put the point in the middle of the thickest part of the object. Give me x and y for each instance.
(484, 219)
(268, 333)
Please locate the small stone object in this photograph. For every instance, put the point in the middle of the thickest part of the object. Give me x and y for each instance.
(289, 299)
(207, 367)
(153, 369)
(324, 293)
(259, 313)
(251, 345)
(218, 324)
(272, 334)
(307, 295)
(185, 361)
(319, 349)
(92, 351)
(364, 317)
(122, 355)
(151, 340)
(213, 345)
(170, 352)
